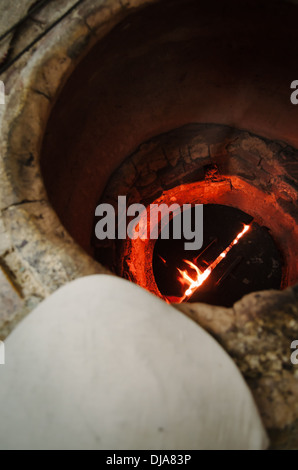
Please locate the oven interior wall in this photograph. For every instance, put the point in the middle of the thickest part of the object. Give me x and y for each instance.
(165, 66)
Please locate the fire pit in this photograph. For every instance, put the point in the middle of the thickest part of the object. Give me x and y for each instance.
(215, 166)
(173, 101)
(220, 273)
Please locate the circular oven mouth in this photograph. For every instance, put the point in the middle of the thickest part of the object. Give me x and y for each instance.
(247, 243)
(241, 180)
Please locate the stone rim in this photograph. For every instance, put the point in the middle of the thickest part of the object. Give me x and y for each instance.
(32, 87)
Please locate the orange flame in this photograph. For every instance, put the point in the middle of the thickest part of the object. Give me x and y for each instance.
(194, 283)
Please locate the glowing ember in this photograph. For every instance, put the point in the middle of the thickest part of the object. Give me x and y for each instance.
(163, 260)
(193, 283)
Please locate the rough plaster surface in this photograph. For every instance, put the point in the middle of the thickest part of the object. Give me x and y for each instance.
(10, 14)
(102, 364)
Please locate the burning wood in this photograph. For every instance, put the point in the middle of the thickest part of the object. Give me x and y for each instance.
(194, 282)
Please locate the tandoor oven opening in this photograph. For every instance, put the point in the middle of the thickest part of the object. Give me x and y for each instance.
(249, 230)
